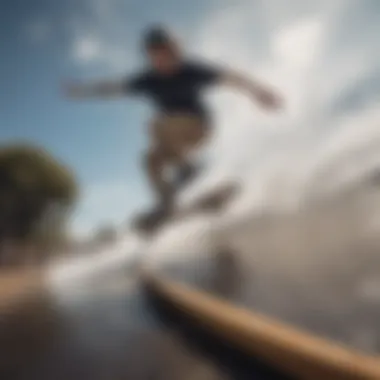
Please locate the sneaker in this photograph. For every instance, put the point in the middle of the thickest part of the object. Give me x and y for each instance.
(185, 174)
(152, 219)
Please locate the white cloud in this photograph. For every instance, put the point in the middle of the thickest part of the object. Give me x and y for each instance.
(304, 60)
(298, 45)
(87, 49)
(98, 37)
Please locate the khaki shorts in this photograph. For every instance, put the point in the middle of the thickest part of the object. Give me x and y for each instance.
(179, 134)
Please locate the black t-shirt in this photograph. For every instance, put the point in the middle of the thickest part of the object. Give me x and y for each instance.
(179, 92)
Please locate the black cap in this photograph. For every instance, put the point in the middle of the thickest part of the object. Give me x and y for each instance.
(156, 37)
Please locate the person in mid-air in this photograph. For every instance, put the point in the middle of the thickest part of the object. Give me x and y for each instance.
(174, 83)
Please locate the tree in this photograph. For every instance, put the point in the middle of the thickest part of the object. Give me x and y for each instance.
(36, 194)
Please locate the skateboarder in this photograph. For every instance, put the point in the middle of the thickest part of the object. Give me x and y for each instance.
(182, 123)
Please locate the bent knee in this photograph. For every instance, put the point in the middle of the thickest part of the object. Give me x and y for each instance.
(176, 136)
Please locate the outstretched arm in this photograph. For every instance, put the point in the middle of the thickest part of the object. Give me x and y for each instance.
(264, 96)
(102, 89)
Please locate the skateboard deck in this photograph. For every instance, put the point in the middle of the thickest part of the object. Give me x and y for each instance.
(210, 202)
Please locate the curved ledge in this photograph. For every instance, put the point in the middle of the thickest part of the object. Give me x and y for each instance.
(293, 351)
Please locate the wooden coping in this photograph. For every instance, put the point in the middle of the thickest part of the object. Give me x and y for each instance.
(290, 350)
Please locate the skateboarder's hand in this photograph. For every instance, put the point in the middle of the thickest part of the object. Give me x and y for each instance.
(268, 99)
(73, 90)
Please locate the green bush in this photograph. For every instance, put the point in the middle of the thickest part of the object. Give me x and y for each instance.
(37, 194)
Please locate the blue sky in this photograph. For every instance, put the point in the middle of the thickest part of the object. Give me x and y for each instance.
(322, 56)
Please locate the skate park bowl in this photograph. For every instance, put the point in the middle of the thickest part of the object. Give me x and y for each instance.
(291, 291)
